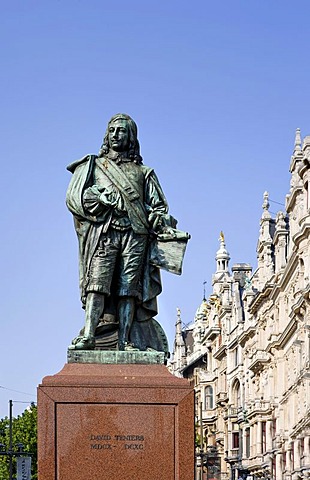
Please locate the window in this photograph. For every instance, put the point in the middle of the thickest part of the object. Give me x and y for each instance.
(209, 397)
(235, 352)
(235, 440)
(264, 436)
(247, 442)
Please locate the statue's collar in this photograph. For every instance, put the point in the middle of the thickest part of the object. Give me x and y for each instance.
(118, 158)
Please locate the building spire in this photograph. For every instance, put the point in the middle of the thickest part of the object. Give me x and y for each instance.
(297, 146)
(204, 291)
(178, 323)
(265, 207)
(296, 159)
(179, 353)
(266, 203)
(222, 256)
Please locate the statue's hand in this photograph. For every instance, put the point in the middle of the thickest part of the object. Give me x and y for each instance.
(112, 198)
(107, 199)
(155, 220)
(104, 196)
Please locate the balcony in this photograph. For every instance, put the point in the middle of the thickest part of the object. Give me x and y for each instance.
(232, 412)
(212, 333)
(221, 398)
(258, 360)
(258, 407)
(233, 456)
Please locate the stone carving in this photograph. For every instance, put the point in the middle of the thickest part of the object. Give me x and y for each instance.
(125, 236)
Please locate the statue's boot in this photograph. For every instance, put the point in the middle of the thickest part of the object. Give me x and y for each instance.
(93, 313)
(83, 344)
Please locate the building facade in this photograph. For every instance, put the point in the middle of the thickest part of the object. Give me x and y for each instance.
(248, 349)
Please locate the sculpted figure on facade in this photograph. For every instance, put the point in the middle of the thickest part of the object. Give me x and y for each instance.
(121, 217)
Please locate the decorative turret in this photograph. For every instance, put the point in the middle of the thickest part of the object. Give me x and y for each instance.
(304, 173)
(296, 161)
(280, 242)
(297, 199)
(265, 246)
(179, 351)
(222, 256)
(222, 266)
(297, 142)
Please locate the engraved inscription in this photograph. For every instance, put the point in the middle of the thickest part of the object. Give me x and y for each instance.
(104, 442)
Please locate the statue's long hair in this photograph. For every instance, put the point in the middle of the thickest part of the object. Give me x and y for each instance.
(134, 147)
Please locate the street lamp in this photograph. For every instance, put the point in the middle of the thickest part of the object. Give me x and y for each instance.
(19, 447)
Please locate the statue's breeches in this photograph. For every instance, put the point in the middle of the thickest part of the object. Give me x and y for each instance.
(119, 258)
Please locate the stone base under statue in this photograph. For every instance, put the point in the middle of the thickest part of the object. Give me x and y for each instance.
(116, 357)
(118, 421)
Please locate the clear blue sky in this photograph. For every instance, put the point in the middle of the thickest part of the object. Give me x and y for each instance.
(217, 90)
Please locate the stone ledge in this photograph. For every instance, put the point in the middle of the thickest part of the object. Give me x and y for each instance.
(115, 357)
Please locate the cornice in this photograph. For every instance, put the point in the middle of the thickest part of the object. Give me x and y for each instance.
(233, 343)
(247, 334)
(304, 376)
(303, 298)
(220, 352)
(296, 158)
(284, 336)
(211, 333)
(286, 276)
(304, 168)
(300, 427)
(291, 197)
(260, 297)
(192, 361)
(302, 234)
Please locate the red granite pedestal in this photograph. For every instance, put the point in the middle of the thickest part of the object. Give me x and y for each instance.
(98, 422)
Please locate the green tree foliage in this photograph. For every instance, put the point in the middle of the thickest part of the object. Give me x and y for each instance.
(25, 432)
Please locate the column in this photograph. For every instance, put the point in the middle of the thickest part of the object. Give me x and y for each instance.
(259, 438)
(244, 442)
(307, 450)
(289, 466)
(253, 439)
(269, 435)
(296, 455)
(278, 466)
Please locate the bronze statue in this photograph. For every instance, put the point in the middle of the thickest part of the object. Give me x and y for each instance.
(120, 213)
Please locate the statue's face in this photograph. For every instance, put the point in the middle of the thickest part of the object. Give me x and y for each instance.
(119, 136)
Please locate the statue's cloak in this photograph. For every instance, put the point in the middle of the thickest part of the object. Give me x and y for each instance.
(89, 228)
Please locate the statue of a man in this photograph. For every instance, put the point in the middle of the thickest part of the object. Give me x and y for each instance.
(118, 207)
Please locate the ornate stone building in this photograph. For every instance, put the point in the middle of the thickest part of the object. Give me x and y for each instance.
(248, 349)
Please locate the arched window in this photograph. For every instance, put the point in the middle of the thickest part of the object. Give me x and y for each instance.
(209, 397)
(236, 394)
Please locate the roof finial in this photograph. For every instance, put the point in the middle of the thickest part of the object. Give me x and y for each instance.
(204, 291)
(266, 203)
(297, 146)
(178, 323)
